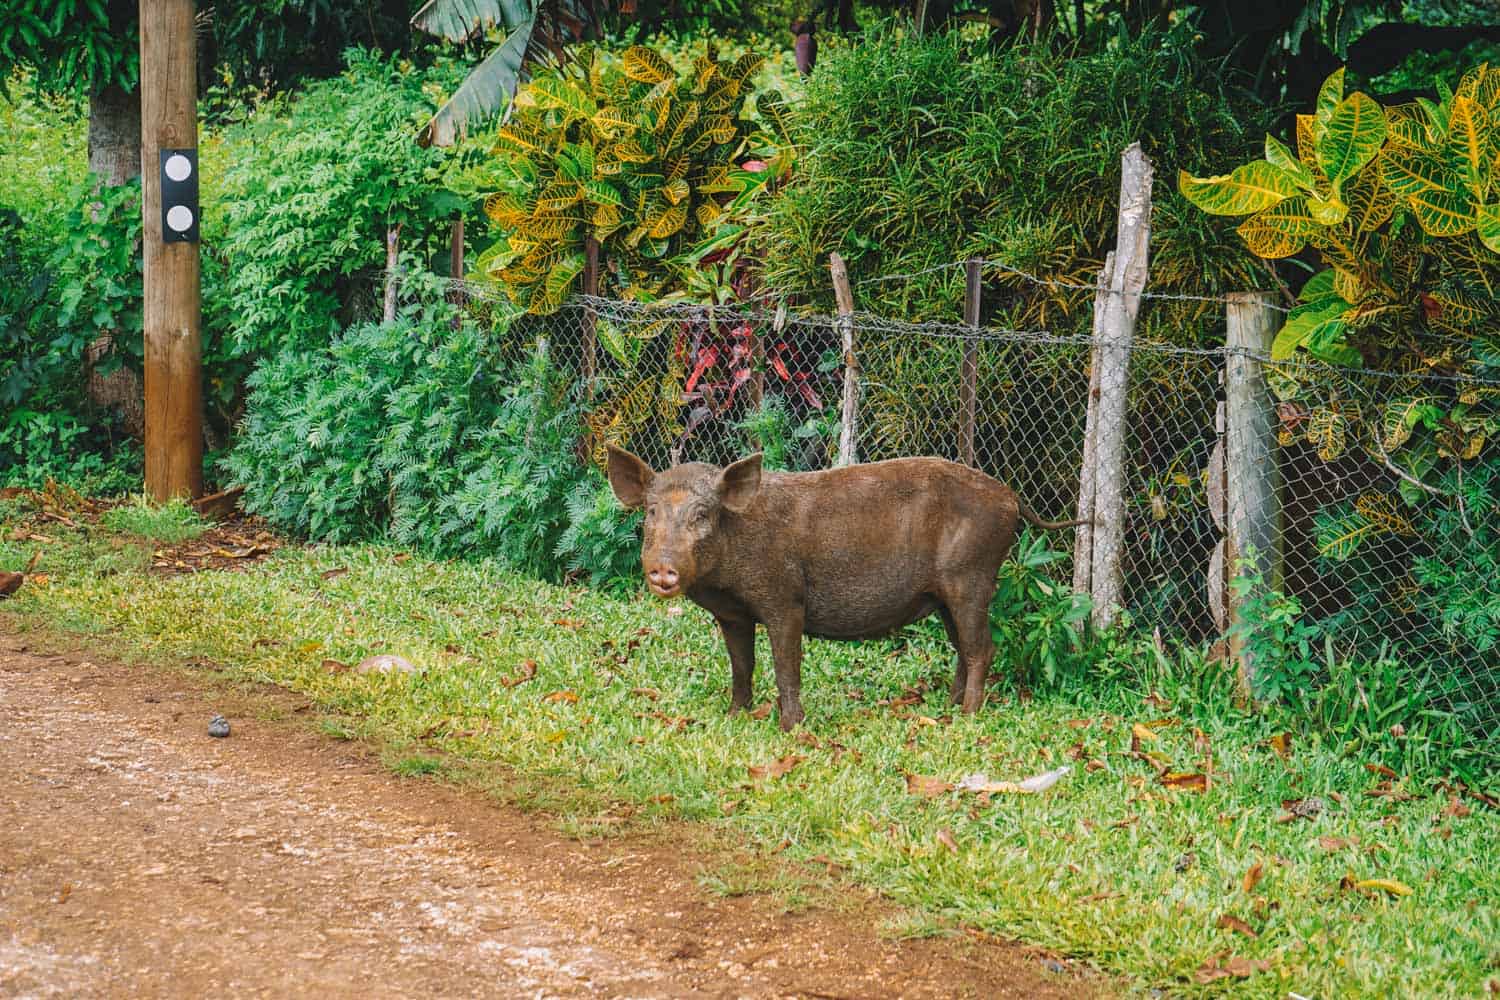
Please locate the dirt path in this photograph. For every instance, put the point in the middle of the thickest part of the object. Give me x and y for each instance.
(138, 856)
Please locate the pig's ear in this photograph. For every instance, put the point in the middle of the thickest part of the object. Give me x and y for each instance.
(739, 483)
(629, 477)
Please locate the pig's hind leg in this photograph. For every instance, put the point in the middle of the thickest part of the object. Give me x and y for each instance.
(969, 612)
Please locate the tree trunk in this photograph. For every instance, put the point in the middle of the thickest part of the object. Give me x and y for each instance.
(115, 157)
(115, 134)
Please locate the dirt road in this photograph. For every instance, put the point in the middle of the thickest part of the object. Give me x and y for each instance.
(140, 857)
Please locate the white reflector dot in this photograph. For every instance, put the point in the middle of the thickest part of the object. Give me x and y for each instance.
(178, 167)
(180, 218)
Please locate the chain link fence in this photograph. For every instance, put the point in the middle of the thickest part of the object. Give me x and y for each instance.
(1391, 570)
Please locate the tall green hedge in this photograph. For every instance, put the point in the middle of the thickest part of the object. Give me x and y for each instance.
(922, 151)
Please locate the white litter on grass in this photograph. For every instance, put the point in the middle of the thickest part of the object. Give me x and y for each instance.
(980, 782)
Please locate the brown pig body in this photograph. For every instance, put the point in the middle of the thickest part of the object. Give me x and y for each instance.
(849, 553)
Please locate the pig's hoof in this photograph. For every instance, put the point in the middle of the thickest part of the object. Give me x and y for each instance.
(791, 720)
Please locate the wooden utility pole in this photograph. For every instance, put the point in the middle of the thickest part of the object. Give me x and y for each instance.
(1102, 480)
(1251, 478)
(849, 410)
(968, 385)
(174, 360)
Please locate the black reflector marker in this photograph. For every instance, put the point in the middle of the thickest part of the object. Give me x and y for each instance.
(179, 195)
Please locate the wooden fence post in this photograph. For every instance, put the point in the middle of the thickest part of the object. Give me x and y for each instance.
(969, 384)
(590, 319)
(1083, 535)
(1251, 478)
(172, 304)
(392, 272)
(456, 266)
(1116, 306)
(849, 412)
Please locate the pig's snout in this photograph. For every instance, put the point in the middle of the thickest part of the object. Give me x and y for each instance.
(663, 581)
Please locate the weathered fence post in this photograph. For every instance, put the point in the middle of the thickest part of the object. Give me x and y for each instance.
(172, 302)
(456, 266)
(392, 272)
(590, 319)
(1083, 535)
(969, 384)
(1251, 478)
(849, 412)
(1116, 306)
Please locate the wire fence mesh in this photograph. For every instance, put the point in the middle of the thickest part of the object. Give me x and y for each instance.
(1390, 568)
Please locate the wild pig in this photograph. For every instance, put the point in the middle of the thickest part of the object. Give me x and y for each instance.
(848, 553)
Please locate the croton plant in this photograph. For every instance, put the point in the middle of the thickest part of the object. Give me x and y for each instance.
(626, 151)
(1401, 206)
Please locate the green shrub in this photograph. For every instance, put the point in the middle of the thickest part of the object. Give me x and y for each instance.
(917, 152)
(49, 302)
(431, 437)
(311, 183)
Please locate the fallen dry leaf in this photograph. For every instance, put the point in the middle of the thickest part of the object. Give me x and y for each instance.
(10, 583)
(761, 711)
(1455, 808)
(650, 693)
(1201, 743)
(1158, 762)
(1140, 732)
(775, 769)
(1190, 782)
(335, 666)
(1334, 843)
(557, 697)
(1223, 965)
(400, 557)
(674, 611)
(329, 574)
(1300, 809)
(1381, 770)
(927, 788)
(384, 663)
(1389, 885)
(1155, 700)
(528, 671)
(1253, 877)
(1281, 743)
(1079, 723)
(1387, 790)
(1127, 821)
(945, 837)
(1094, 765)
(1098, 896)
(573, 623)
(1230, 922)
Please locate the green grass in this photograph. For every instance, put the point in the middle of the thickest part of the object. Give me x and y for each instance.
(170, 522)
(1108, 865)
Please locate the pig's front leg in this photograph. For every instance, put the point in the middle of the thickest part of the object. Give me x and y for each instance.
(786, 649)
(739, 637)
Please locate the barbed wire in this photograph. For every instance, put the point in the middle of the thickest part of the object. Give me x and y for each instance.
(625, 311)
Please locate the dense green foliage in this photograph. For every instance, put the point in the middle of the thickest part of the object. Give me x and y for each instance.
(427, 435)
(921, 152)
(627, 152)
(311, 184)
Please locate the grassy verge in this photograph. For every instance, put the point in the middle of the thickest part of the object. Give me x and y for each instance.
(1285, 874)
